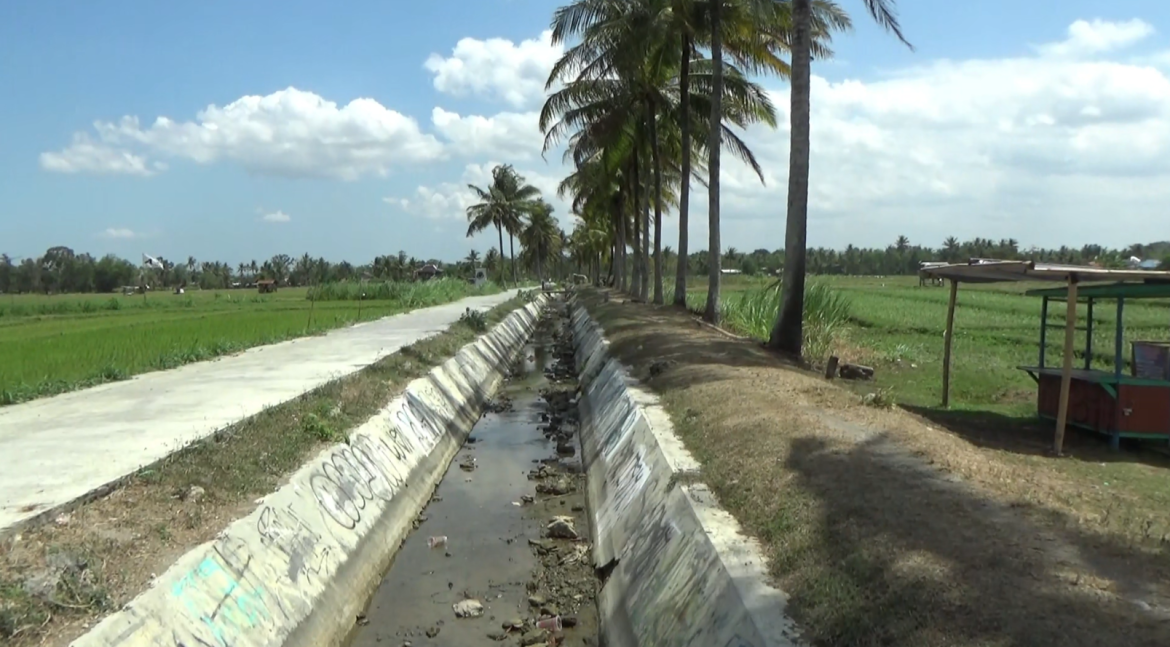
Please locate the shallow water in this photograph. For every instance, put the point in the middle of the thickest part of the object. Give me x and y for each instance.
(486, 555)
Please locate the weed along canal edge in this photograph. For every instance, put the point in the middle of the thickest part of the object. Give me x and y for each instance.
(502, 551)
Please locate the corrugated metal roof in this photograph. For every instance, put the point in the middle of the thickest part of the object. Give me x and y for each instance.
(1107, 291)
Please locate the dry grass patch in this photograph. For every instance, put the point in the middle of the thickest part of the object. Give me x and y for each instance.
(886, 531)
(58, 578)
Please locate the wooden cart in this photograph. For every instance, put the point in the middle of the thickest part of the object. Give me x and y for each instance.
(1114, 403)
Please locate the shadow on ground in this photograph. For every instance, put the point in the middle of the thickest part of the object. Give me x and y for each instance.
(891, 537)
(1031, 436)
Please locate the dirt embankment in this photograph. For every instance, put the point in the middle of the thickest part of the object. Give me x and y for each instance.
(885, 530)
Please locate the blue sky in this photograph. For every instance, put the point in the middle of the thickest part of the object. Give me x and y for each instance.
(1079, 120)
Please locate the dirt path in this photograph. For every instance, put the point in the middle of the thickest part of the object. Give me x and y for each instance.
(484, 541)
(883, 530)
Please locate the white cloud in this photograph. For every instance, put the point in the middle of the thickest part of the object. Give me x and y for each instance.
(119, 233)
(449, 200)
(510, 134)
(288, 133)
(1042, 148)
(1098, 36)
(497, 69)
(87, 156)
(276, 217)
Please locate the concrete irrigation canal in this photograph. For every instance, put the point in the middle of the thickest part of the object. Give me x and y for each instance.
(526, 492)
(504, 540)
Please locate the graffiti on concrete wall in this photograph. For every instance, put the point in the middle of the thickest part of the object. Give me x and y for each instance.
(426, 424)
(627, 477)
(352, 477)
(677, 592)
(222, 595)
(629, 418)
(281, 529)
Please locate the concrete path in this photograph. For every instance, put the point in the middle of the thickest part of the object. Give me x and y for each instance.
(55, 450)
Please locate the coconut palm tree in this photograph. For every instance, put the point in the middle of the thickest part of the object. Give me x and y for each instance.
(624, 103)
(541, 236)
(787, 333)
(502, 205)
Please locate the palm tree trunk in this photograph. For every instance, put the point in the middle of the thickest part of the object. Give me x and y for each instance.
(654, 152)
(644, 214)
(619, 246)
(636, 279)
(684, 196)
(715, 268)
(512, 250)
(788, 332)
(500, 231)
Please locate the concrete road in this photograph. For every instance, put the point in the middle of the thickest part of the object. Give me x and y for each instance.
(55, 450)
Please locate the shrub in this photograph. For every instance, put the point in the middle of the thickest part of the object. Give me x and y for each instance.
(474, 319)
(753, 311)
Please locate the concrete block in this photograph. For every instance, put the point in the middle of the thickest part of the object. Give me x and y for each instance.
(681, 570)
(299, 569)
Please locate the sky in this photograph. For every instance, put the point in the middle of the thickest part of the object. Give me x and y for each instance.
(237, 130)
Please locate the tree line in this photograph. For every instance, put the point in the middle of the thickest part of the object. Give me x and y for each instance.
(902, 257)
(62, 270)
(546, 252)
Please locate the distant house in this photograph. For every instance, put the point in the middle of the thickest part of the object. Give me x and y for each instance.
(264, 286)
(427, 272)
(730, 270)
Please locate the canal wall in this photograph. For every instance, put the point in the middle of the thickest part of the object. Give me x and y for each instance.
(298, 570)
(678, 570)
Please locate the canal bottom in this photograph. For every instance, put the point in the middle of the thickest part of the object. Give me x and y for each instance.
(484, 537)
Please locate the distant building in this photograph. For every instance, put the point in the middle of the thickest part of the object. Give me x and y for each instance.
(427, 272)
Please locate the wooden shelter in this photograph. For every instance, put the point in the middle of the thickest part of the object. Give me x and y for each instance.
(264, 286)
(1125, 283)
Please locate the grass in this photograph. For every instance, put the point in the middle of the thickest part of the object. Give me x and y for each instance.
(884, 530)
(751, 311)
(897, 327)
(142, 527)
(53, 344)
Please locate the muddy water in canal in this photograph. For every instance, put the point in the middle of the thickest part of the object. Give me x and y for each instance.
(504, 540)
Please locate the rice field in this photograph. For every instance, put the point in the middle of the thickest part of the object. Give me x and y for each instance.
(897, 326)
(58, 343)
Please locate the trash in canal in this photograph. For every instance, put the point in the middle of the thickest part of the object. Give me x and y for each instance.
(468, 609)
(435, 542)
(550, 624)
(561, 528)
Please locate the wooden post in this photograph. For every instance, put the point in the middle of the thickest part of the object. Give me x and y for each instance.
(1089, 337)
(946, 394)
(1070, 326)
(1043, 329)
